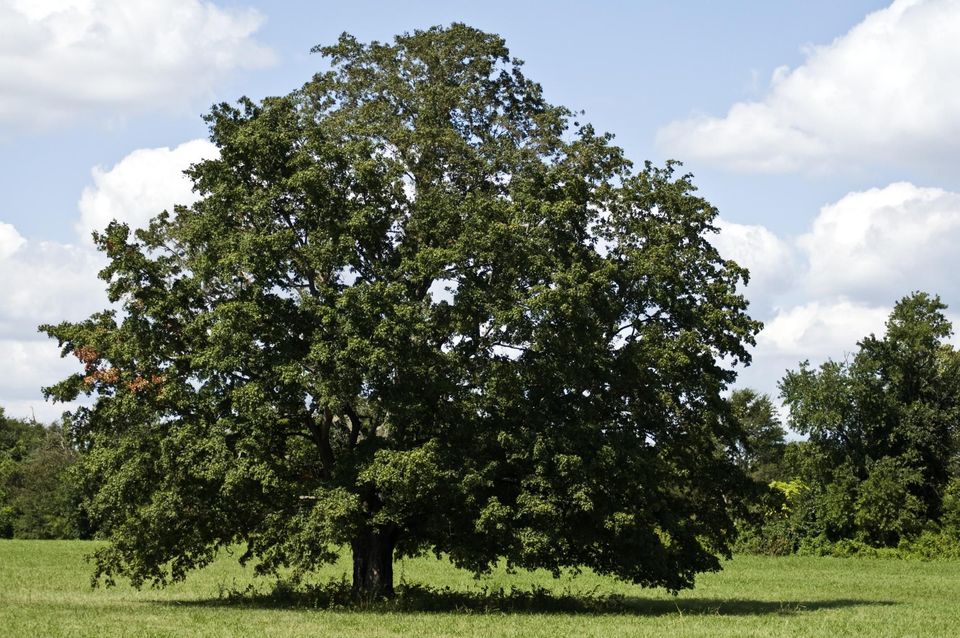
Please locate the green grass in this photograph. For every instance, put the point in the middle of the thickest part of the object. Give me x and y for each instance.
(44, 591)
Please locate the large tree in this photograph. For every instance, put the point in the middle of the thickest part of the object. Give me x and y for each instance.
(415, 307)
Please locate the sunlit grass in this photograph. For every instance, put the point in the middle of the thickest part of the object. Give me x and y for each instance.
(44, 591)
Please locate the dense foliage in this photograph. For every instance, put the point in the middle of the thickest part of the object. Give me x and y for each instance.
(881, 466)
(416, 307)
(759, 438)
(39, 496)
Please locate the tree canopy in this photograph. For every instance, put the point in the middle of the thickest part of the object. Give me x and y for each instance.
(38, 496)
(883, 427)
(416, 307)
(760, 438)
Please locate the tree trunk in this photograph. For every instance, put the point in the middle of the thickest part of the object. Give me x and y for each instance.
(373, 563)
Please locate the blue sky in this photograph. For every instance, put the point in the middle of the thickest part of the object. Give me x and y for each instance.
(633, 66)
(823, 131)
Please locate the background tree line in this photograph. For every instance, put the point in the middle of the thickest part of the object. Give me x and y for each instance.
(880, 466)
(40, 491)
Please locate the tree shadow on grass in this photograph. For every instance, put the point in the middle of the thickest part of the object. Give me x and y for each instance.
(417, 598)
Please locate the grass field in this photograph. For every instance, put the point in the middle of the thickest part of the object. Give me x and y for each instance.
(44, 591)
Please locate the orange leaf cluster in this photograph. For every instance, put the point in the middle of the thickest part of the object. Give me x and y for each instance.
(140, 383)
(88, 356)
(108, 376)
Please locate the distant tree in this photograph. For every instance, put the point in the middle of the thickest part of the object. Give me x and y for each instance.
(417, 307)
(48, 498)
(39, 498)
(17, 439)
(759, 441)
(889, 416)
(951, 506)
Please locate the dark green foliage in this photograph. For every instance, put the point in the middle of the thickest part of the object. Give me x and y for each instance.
(759, 445)
(288, 371)
(899, 397)
(951, 506)
(886, 509)
(880, 464)
(39, 497)
(756, 445)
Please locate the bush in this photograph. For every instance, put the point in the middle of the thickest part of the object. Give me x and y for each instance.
(875, 518)
(950, 516)
(942, 544)
(886, 511)
(775, 538)
(772, 528)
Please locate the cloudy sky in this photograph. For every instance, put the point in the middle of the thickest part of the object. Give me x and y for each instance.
(824, 131)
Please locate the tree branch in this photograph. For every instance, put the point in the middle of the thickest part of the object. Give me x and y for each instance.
(321, 436)
(354, 425)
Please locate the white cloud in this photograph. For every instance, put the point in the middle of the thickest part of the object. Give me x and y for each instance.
(860, 255)
(10, 240)
(884, 91)
(59, 58)
(49, 282)
(41, 282)
(141, 185)
(881, 244)
(769, 259)
(816, 331)
(872, 246)
(821, 329)
(37, 364)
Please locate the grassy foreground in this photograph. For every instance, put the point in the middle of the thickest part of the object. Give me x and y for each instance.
(44, 591)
